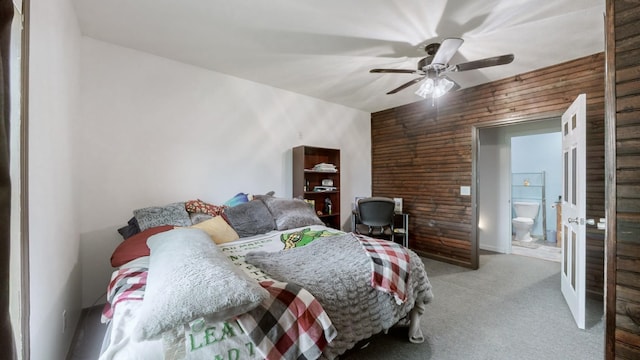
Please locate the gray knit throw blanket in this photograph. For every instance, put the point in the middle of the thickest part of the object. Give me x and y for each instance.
(337, 271)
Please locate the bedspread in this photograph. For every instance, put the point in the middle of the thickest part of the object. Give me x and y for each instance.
(357, 310)
(335, 270)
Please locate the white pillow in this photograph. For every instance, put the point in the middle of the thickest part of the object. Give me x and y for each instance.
(190, 278)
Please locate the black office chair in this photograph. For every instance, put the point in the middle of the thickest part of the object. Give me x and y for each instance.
(375, 217)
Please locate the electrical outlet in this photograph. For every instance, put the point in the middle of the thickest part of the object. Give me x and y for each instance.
(64, 321)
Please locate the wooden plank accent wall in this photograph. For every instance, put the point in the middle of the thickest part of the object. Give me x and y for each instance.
(423, 153)
(623, 241)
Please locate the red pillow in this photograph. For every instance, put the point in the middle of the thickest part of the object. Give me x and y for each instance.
(135, 246)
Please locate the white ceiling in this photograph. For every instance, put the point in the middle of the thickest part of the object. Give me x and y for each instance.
(325, 49)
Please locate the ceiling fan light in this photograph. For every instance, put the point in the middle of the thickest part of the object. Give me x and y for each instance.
(443, 86)
(425, 88)
(438, 92)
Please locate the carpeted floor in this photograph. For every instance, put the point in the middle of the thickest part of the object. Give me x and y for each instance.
(511, 308)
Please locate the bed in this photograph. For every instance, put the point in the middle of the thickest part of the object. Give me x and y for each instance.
(255, 279)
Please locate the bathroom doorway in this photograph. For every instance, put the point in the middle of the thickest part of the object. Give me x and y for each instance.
(518, 148)
(536, 185)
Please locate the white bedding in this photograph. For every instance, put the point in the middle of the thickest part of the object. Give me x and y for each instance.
(119, 344)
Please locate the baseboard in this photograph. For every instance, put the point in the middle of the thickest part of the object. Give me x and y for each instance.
(493, 249)
(443, 258)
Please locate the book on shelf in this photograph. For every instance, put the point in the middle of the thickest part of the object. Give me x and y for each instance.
(324, 188)
(325, 167)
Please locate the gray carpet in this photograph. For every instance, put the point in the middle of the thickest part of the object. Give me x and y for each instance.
(511, 308)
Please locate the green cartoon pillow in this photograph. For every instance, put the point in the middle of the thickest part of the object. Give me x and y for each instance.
(303, 237)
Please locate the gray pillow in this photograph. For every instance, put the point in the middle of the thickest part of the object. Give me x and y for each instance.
(250, 218)
(172, 214)
(291, 213)
(190, 278)
(131, 229)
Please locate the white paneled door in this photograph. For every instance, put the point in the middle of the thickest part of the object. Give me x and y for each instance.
(574, 208)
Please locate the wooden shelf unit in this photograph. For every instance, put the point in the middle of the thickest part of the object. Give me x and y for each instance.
(305, 180)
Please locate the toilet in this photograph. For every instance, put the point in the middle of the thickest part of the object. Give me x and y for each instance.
(526, 213)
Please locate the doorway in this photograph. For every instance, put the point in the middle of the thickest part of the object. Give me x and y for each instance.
(506, 153)
(492, 202)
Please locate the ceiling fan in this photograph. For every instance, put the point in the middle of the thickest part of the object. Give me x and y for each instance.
(434, 67)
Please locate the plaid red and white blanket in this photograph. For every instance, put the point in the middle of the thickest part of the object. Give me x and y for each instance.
(389, 266)
(290, 324)
(125, 284)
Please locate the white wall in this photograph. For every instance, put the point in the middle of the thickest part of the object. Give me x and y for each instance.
(153, 131)
(146, 131)
(54, 267)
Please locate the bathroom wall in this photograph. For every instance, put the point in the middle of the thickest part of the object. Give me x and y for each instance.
(535, 154)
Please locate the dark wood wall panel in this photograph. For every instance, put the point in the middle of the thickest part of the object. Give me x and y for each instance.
(423, 153)
(625, 284)
(595, 260)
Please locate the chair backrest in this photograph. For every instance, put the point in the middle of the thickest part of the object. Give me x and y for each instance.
(376, 211)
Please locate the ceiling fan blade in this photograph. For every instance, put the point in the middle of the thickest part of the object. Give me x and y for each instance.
(477, 64)
(393, 71)
(405, 85)
(447, 49)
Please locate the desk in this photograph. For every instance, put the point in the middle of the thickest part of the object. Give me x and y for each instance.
(400, 226)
